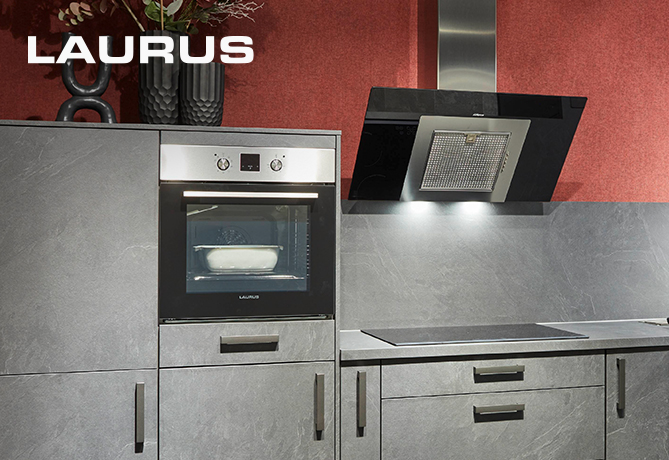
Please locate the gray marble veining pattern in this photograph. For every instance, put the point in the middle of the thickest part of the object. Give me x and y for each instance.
(578, 262)
(457, 377)
(615, 330)
(78, 249)
(644, 429)
(357, 444)
(76, 416)
(199, 344)
(564, 424)
(245, 412)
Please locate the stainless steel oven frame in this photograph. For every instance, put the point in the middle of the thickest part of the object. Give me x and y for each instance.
(191, 175)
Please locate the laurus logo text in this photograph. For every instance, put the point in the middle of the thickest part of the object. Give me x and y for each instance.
(228, 46)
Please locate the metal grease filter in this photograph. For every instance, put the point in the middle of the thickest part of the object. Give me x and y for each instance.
(464, 161)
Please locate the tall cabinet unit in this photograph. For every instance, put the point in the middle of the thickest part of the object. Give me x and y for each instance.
(637, 405)
(248, 368)
(78, 293)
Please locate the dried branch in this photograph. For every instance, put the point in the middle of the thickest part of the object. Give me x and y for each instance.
(127, 7)
(233, 9)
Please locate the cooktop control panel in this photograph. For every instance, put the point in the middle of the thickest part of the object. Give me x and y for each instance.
(205, 163)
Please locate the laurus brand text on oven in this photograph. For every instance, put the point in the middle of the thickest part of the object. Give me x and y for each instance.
(249, 297)
(76, 48)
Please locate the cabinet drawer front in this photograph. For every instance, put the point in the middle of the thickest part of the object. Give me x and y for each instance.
(183, 345)
(459, 377)
(267, 412)
(561, 424)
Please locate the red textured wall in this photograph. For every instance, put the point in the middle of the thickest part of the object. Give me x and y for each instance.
(315, 63)
(616, 53)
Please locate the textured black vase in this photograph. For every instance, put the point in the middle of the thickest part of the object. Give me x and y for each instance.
(159, 85)
(86, 97)
(201, 94)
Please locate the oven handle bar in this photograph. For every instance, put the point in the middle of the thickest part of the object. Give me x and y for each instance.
(252, 195)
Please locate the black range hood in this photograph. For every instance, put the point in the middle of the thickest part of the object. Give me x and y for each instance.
(443, 145)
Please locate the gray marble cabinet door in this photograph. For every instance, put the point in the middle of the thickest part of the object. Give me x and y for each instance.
(76, 416)
(245, 412)
(642, 429)
(362, 443)
(78, 249)
(563, 424)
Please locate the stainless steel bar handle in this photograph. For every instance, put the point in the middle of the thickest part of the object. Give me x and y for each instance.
(499, 370)
(489, 410)
(252, 195)
(249, 339)
(320, 402)
(139, 416)
(362, 399)
(620, 362)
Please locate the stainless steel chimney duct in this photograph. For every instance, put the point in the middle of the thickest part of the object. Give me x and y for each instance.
(467, 45)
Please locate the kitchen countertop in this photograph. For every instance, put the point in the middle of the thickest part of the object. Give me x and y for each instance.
(602, 335)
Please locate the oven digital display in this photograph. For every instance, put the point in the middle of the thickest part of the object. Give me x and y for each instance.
(249, 162)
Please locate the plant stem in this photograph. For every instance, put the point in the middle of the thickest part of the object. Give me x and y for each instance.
(187, 12)
(162, 20)
(127, 7)
(192, 6)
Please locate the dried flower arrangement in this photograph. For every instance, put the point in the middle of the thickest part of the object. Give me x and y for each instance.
(179, 16)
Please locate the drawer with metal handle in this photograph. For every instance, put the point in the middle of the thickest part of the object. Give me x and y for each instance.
(482, 376)
(183, 345)
(561, 424)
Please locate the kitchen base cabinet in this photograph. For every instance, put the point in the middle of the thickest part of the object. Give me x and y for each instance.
(564, 424)
(638, 382)
(92, 415)
(248, 412)
(361, 413)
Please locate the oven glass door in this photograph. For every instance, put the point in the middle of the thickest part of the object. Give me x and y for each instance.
(246, 251)
(247, 248)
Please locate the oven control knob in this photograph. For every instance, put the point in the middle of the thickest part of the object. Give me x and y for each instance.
(223, 164)
(276, 165)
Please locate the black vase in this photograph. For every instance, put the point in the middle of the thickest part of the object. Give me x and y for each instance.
(201, 94)
(159, 85)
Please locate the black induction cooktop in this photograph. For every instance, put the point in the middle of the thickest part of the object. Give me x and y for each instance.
(470, 334)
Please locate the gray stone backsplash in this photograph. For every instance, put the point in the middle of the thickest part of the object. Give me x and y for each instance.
(576, 262)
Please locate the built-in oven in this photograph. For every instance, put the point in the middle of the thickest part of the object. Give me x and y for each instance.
(246, 233)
